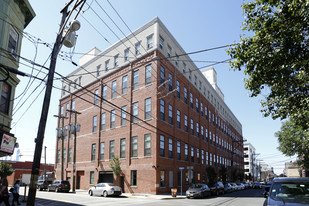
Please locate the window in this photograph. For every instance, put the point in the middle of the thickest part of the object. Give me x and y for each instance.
(5, 98)
(209, 116)
(169, 51)
(73, 105)
(178, 150)
(124, 84)
(113, 113)
(206, 112)
(148, 108)
(75, 83)
(103, 121)
(178, 88)
(162, 75)
(161, 43)
(98, 72)
(178, 119)
(126, 54)
(148, 74)
(186, 123)
(133, 177)
(147, 145)
(80, 80)
(197, 129)
(137, 48)
(67, 109)
(162, 178)
(106, 65)
(123, 115)
(206, 158)
(135, 79)
(186, 152)
(64, 154)
(63, 90)
(104, 92)
(170, 114)
(134, 146)
(96, 96)
(162, 146)
(94, 124)
(170, 82)
(195, 79)
(170, 148)
(111, 149)
(210, 138)
(201, 109)
(202, 132)
(203, 157)
(92, 177)
(198, 155)
(185, 95)
(192, 127)
(184, 67)
(123, 148)
(162, 109)
(196, 104)
(61, 111)
(135, 112)
(102, 151)
(70, 155)
(114, 87)
(190, 74)
(93, 152)
(176, 59)
(149, 42)
(116, 58)
(192, 154)
(13, 41)
(58, 155)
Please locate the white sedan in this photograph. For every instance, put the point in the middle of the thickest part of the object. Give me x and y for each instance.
(105, 189)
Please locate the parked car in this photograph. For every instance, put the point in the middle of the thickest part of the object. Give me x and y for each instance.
(240, 186)
(287, 191)
(105, 189)
(59, 186)
(228, 188)
(43, 184)
(217, 188)
(198, 190)
(246, 184)
(257, 185)
(234, 186)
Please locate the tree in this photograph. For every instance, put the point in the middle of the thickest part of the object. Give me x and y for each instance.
(276, 57)
(223, 174)
(115, 165)
(293, 140)
(5, 169)
(211, 175)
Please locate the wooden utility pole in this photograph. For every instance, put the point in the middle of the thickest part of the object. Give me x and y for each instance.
(74, 155)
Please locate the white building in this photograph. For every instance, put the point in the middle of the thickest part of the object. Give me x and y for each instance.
(250, 162)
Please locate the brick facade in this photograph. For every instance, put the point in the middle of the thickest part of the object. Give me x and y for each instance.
(158, 171)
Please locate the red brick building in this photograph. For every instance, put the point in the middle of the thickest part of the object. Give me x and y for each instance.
(154, 109)
(24, 168)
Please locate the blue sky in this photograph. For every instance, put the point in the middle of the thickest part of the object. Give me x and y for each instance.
(195, 24)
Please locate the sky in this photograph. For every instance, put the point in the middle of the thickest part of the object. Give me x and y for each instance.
(195, 24)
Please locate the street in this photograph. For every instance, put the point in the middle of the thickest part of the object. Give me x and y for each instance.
(250, 197)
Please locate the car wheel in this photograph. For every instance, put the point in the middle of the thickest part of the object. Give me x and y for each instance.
(104, 194)
(90, 193)
(56, 190)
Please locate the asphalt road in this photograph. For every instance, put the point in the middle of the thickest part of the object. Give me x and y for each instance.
(249, 197)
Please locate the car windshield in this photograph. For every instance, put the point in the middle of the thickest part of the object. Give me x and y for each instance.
(196, 186)
(290, 190)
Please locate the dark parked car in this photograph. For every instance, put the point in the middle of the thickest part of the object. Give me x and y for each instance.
(228, 188)
(287, 191)
(217, 188)
(198, 190)
(59, 186)
(257, 185)
(43, 184)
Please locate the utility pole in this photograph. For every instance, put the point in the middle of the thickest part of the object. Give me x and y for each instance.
(45, 163)
(63, 131)
(46, 103)
(74, 155)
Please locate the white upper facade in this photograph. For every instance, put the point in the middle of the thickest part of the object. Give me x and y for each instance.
(95, 64)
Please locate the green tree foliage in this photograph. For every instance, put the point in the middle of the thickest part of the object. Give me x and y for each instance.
(115, 165)
(293, 140)
(276, 57)
(5, 169)
(211, 175)
(223, 174)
